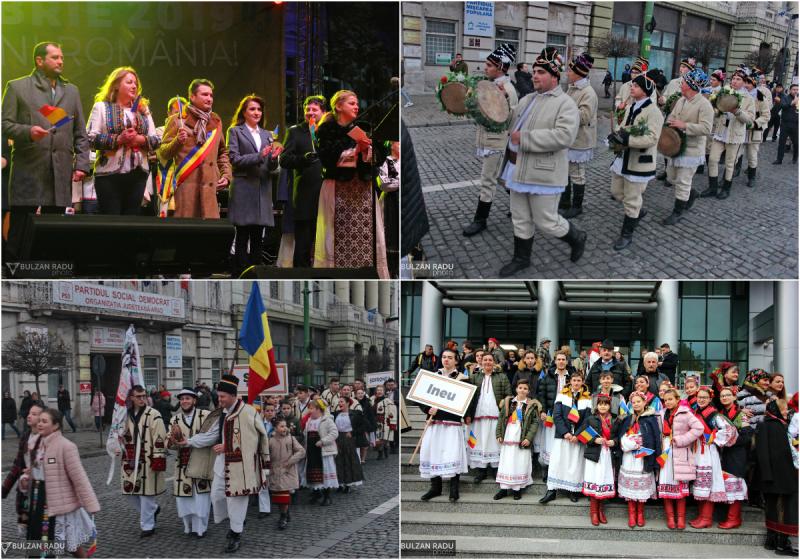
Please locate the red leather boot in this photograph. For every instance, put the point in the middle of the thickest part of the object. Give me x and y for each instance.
(593, 505)
(734, 517)
(669, 512)
(706, 512)
(640, 514)
(601, 515)
(632, 513)
(681, 509)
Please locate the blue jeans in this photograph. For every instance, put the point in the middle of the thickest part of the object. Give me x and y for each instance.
(68, 417)
(13, 427)
(405, 95)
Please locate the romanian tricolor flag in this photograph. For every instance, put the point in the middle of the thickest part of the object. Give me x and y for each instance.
(55, 115)
(662, 459)
(256, 340)
(624, 409)
(92, 548)
(710, 437)
(587, 435)
(573, 415)
(643, 452)
(275, 132)
(472, 441)
(548, 420)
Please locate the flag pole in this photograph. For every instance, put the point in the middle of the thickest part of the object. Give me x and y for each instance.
(419, 443)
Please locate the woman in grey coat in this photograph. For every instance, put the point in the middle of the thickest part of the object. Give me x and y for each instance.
(253, 155)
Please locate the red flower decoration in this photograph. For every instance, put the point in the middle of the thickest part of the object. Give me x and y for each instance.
(444, 79)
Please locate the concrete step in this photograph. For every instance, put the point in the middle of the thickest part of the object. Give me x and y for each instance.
(518, 547)
(482, 502)
(572, 527)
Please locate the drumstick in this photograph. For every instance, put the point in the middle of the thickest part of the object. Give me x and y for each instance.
(416, 449)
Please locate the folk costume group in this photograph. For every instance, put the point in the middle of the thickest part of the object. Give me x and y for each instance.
(542, 157)
(119, 161)
(605, 435)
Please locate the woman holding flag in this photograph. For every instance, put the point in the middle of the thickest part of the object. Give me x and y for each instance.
(573, 406)
(639, 438)
(253, 153)
(734, 458)
(122, 131)
(680, 430)
(599, 433)
(709, 486)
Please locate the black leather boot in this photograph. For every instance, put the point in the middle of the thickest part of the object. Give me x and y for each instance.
(549, 496)
(544, 473)
(234, 542)
(626, 235)
(577, 201)
(315, 496)
(677, 213)
(454, 483)
(577, 241)
(693, 195)
(326, 497)
(713, 188)
(482, 474)
(565, 202)
(737, 168)
(435, 490)
(751, 177)
(502, 493)
(479, 221)
(783, 546)
(662, 176)
(522, 257)
(725, 190)
(772, 540)
(282, 522)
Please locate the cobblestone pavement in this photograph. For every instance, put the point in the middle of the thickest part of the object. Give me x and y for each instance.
(752, 234)
(363, 523)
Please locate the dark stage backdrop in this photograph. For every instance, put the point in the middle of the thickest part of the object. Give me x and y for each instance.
(237, 45)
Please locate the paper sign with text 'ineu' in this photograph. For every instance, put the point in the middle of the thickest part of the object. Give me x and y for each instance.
(442, 392)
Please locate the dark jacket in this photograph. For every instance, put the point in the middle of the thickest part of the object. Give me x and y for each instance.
(64, 401)
(621, 377)
(651, 436)
(500, 387)
(165, 409)
(531, 375)
(562, 407)
(414, 217)
(607, 79)
(41, 172)
(788, 111)
(306, 171)
(778, 475)
(668, 366)
(441, 414)
(422, 360)
(9, 410)
(369, 414)
(523, 82)
(25, 407)
(734, 458)
(547, 389)
(592, 452)
(655, 379)
(333, 140)
(251, 191)
(530, 418)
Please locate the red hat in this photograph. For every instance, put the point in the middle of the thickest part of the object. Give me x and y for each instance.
(494, 340)
(166, 394)
(793, 402)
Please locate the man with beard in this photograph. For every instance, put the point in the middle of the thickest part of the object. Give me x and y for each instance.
(192, 495)
(607, 362)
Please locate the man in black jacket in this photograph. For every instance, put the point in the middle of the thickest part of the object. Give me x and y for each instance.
(669, 362)
(65, 406)
(607, 362)
(523, 80)
(300, 156)
(425, 360)
(788, 124)
(775, 113)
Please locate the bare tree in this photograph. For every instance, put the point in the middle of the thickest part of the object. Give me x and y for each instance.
(35, 353)
(764, 58)
(337, 360)
(615, 46)
(704, 46)
(300, 369)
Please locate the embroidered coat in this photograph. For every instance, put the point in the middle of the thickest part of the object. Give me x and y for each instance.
(183, 486)
(639, 156)
(151, 434)
(106, 123)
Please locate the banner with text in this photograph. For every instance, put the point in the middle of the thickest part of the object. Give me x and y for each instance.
(438, 391)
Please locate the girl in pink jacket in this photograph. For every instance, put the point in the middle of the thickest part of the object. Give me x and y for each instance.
(61, 501)
(680, 430)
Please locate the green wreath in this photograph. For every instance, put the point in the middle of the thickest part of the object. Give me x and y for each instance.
(670, 102)
(683, 138)
(459, 77)
(724, 90)
(471, 103)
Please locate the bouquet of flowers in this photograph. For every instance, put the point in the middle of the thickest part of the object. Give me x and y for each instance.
(724, 90)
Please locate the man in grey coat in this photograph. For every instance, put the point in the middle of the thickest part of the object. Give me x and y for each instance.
(45, 160)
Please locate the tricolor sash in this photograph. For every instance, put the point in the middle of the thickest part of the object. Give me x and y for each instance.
(177, 174)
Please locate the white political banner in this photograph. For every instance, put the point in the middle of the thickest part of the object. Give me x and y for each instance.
(479, 19)
(174, 344)
(242, 371)
(444, 393)
(378, 378)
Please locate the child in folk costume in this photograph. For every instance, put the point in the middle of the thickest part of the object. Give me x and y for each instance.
(443, 453)
(709, 485)
(385, 413)
(550, 386)
(607, 388)
(573, 406)
(680, 430)
(734, 458)
(598, 469)
(348, 461)
(642, 385)
(517, 423)
(192, 495)
(493, 387)
(321, 434)
(285, 454)
(637, 482)
(690, 387)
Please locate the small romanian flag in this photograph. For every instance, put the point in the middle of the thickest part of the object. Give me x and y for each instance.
(472, 441)
(588, 434)
(92, 543)
(55, 115)
(275, 132)
(548, 421)
(662, 459)
(624, 409)
(255, 338)
(643, 452)
(573, 415)
(710, 437)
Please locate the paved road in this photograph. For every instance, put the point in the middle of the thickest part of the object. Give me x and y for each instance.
(363, 523)
(752, 234)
